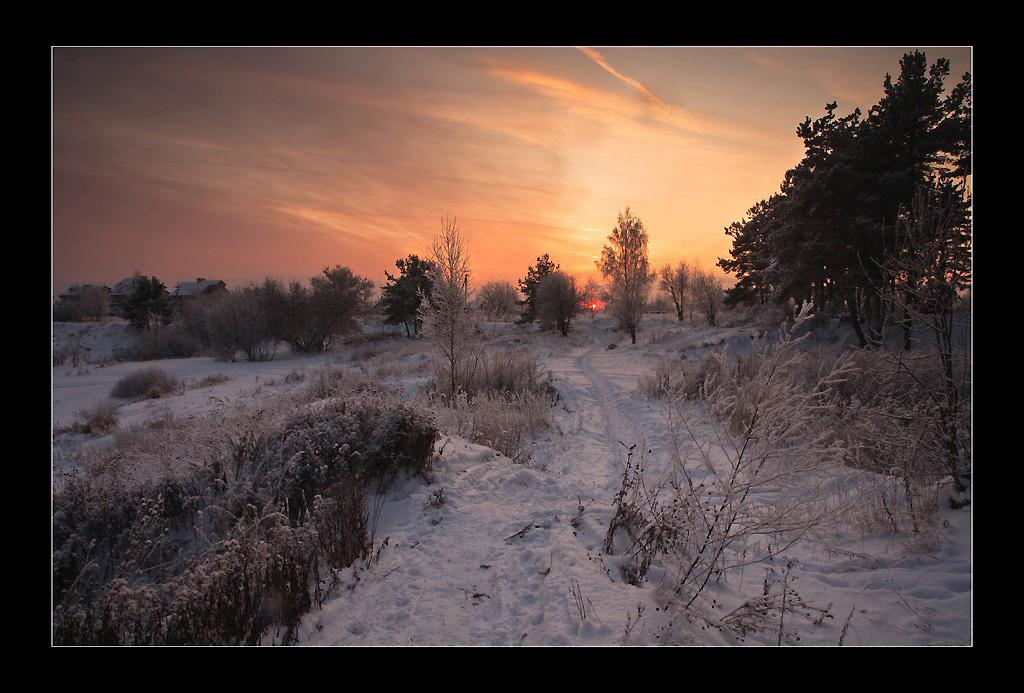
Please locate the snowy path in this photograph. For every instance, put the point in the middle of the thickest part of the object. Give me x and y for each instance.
(498, 562)
(461, 575)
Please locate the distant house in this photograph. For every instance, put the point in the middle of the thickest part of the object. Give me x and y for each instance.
(200, 288)
(74, 294)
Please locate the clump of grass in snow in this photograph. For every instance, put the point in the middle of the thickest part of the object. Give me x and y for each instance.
(676, 379)
(334, 382)
(501, 422)
(98, 421)
(213, 379)
(507, 400)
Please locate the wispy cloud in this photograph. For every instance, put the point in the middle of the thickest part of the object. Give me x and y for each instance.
(609, 107)
(634, 83)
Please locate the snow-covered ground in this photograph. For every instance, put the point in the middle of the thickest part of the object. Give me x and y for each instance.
(509, 558)
(97, 341)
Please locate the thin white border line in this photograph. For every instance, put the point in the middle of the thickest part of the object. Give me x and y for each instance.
(572, 46)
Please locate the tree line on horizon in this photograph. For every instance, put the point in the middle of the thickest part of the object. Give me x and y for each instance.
(256, 318)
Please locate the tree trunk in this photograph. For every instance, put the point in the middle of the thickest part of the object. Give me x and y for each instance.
(851, 303)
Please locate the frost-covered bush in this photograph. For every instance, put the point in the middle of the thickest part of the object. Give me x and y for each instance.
(255, 580)
(235, 547)
(363, 437)
(505, 373)
(99, 532)
(145, 382)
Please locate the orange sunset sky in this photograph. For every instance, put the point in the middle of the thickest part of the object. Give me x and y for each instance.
(241, 163)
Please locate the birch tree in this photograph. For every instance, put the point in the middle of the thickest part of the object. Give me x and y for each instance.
(448, 316)
(625, 264)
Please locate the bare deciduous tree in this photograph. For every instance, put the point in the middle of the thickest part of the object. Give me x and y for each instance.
(706, 293)
(239, 322)
(498, 300)
(447, 315)
(625, 264)
(675, 281)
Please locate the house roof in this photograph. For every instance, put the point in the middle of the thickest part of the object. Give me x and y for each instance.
(125, 287)
(195, 288)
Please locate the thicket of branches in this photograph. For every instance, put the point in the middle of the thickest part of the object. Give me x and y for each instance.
(498, 300)
(243, 321)
(706, 294)
(308, 318)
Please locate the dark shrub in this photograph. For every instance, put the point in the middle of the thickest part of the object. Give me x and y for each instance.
(146, 382)
(172, 342)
